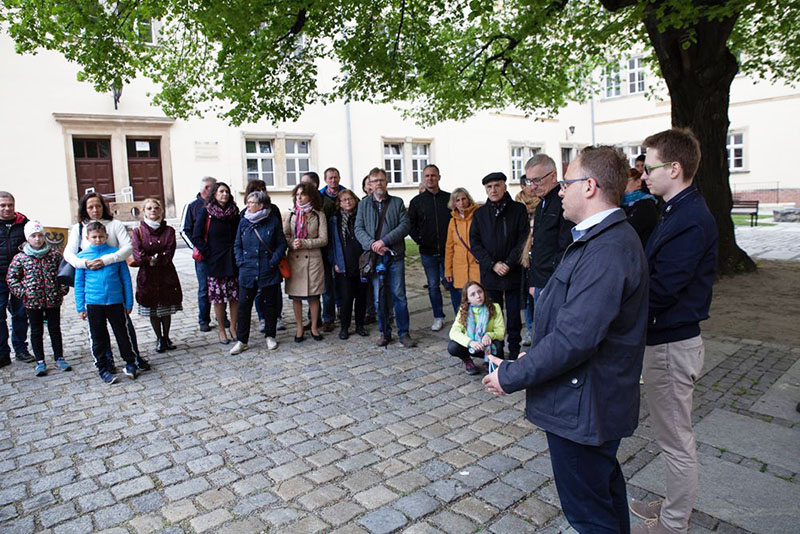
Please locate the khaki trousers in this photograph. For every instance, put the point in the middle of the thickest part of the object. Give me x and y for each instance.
(670, 371)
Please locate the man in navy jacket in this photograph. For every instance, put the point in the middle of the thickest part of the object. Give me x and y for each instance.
(582, 372)
(191, 212)
(682, 255)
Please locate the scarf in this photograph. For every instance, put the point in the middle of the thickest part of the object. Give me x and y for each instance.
(530, 202)
(256, 217)
(300, 229)
(36, 253)
(477, 329)
(155, 225)
(348, 223)
(629, 199)
(222, 213)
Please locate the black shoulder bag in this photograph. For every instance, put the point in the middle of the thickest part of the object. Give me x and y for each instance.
(66, 272)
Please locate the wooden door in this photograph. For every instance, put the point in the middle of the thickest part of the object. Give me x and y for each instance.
(144, 168)
(93, 165)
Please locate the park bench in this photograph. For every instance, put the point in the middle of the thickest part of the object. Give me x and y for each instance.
(746, 207)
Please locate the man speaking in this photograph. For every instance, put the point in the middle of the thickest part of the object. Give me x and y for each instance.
(581, 374)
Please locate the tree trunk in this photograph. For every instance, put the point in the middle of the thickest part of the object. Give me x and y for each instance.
(699, 80)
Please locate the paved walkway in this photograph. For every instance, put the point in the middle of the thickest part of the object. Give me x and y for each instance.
(779, 242)
(344, 437)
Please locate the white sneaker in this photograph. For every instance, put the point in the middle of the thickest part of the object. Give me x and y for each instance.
(526, 341)
(238, 348)
(271, 343)
(438, 323)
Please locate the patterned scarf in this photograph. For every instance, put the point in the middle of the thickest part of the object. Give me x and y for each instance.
(300, 226)
(222, 213)
(477, 329)
(629, 199)
(348, 224)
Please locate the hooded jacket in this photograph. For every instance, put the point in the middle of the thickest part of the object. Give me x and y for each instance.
(12, 235)
(460, 264)
(103, 287)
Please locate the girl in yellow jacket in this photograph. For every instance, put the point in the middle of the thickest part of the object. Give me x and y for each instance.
(478, 329)
(460, 265)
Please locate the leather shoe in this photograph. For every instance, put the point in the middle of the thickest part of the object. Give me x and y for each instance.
(24, 356)
(160, 345)
(343, 334)
(168, 344)
(205, 327)
(327, 327)
(383, 341)
(361, 331)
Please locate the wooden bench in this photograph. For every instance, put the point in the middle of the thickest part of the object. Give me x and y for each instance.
(746, 207)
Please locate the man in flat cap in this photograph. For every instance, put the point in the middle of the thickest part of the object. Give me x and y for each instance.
(497, 237)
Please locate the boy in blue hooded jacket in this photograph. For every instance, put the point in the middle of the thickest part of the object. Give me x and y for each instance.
(104, 295)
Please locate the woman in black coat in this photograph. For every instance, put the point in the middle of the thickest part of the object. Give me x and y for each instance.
(214, 235)
(640, 207)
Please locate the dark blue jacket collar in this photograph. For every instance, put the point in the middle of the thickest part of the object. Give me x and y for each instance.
(669, 207)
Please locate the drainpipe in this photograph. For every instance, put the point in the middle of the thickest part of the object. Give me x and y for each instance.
(349, 145)
(592, 108)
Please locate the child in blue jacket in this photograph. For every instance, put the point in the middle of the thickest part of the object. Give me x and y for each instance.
(104, 295)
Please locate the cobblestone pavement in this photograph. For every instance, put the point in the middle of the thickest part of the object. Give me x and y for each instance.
(779, 242)
(327, 436)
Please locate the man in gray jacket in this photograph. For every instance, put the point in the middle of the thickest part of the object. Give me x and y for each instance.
(582, 374)
(390, 245)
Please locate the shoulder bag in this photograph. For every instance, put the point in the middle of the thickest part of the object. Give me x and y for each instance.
(196, 254)
(130, 260)
(368, 258)
(283, 265)
(66, 272)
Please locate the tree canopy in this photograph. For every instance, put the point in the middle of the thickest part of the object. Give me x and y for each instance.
(248, 60)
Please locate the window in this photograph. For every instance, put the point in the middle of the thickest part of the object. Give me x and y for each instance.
(519, 157)
(148, 31)
(736, 152)
(633, 151)
(635, 76)
(298, 159)
(567, 155)
(393, 162)
(612, 81)
(420, 153)
(260, 161)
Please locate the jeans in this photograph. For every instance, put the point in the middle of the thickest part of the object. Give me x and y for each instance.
(203, 305)
(395, 278)
(455, 299)
(670, 371)
(590, 485)
(36, 319)
(530, 306)
(101, 342)
(509, 299)
(434, 272)
(11, 305)
(267, 299)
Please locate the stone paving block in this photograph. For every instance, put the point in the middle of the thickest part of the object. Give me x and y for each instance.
(307, 525)
(250, 484)
(375, 497)
(524, 480)
(186, 489)
(350, 528)
(253, 502)
(57, 514)
(145, 524)
(357, 462)
(499, 463)
(250, 525)
(178, 511)
(321, 496)
(383, 521)
(324, 474)
(38, 502)
(81, 525)
(475, 509)
(287, 471)
(48, 482)
(341, 513)
(408, 482)
(325, 457)
(279, 517)
(500, 495)
(118, 475)
(537, 512)
(210, 520)
(293, 487)
(214, 498)
(132, 487)
(452, 523)
(23, 525)
(112, 516)
(446, 490)
(360, 481)
(95, 501)
(12, 494)
(147, 502)
(510, 523)
(435, 469)
(416, 505)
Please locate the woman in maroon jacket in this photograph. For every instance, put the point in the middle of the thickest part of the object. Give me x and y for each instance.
(158, 289)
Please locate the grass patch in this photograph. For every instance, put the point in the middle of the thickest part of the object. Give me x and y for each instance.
(412, 249)
(744, 220)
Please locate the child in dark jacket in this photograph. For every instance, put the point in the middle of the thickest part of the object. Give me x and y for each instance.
(102, 295)
(32, 277)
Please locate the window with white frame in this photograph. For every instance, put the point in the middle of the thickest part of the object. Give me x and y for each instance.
(735, 151)
(298, 159)
(260, 160)
(393, 162)
(633, 152)
(420, 157)
(636, 76)
(148, 31)
(612, 81)
(520, 154)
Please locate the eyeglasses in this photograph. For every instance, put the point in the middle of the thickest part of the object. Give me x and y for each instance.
(525, 181)
(649, 168)
(565, 183)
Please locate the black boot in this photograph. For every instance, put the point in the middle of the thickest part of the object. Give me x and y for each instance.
(160, 345)
(168, 344)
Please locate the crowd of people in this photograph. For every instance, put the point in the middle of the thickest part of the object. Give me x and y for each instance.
(612, 288)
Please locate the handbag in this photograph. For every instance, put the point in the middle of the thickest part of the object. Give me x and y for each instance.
(130, 260)
(369, 259)
(66, 272)
(196, 254)
(283, 265)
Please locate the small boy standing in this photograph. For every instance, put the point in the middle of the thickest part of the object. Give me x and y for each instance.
(101, 295)
(33, 278)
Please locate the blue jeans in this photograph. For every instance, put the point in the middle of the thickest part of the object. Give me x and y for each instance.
(434, 272)
(395, 277)
(203, 305)
(11, 305)
(455, 299)
(590, 485)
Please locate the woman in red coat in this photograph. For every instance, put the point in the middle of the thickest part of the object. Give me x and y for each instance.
(158, 289)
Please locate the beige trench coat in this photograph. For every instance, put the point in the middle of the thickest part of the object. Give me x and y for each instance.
(308, 274)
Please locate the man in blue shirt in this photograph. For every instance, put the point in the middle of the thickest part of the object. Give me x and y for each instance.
(581, 375)
(682, 255)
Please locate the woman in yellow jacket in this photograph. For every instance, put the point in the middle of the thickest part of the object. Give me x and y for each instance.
(460, 265)
(478, 329)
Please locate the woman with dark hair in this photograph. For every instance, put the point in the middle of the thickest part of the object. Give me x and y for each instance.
(306, 232)
(260, 245)
(639, 206)
(214, 235)
(94, 208)
(344, 258)
(158, 289)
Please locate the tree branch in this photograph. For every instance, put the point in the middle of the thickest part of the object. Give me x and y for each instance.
(400, 27)
(297, 27)
(616, 5)
(512, 43)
